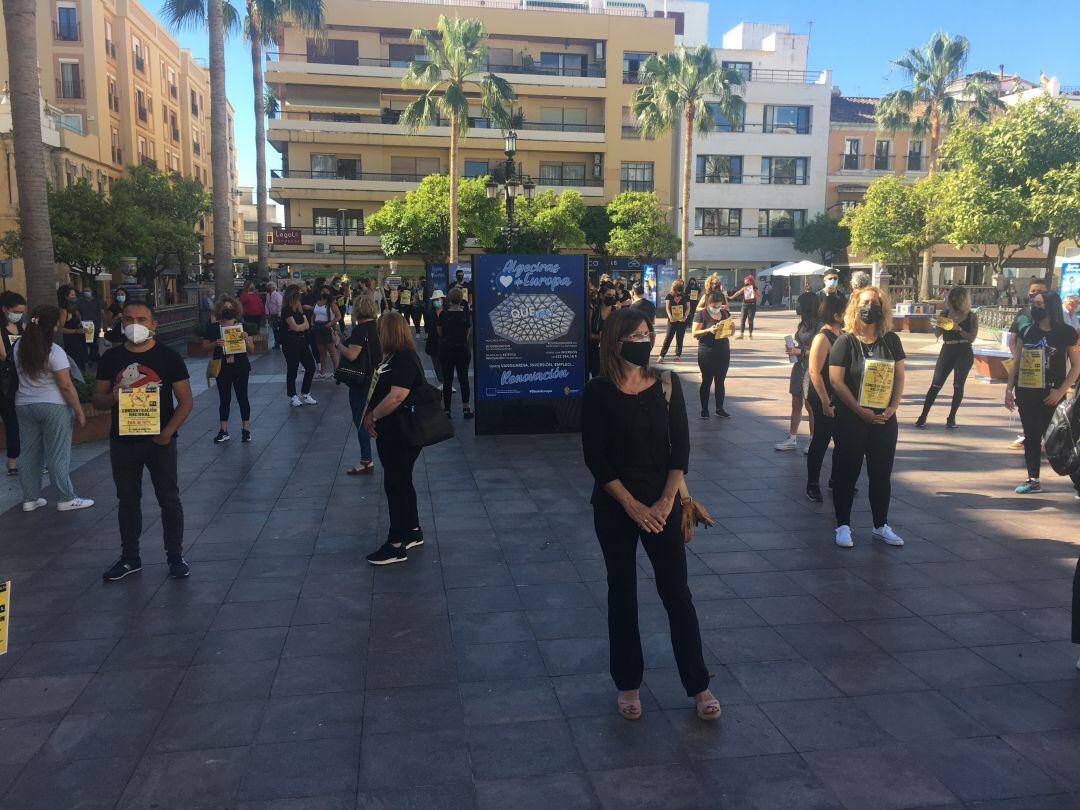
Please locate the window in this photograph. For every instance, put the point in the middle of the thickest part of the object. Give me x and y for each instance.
(569, 119)
(402, 55)
(332, 167)
(562, 174)
(333, 51)
(631, 66)
(138, 55)
(174, 91)
(477, 168)
(196, 141)
(67, 22)
(174, 126)
(717, 221)
(330, 221)
(784, 171)
(195, 104)
(852, 147)
(847, 206)
(636, 176)
(744, 68)
(110, 43)
(882, 158)
(780, 221)
(114, 94)
(500, 58)
(141, 141)
(564, 64)
(140, 105)
(719, 169)
(412, 169)
(69, 84)
(723, 124)
(117, 155)
(915, 156)
(786, 118)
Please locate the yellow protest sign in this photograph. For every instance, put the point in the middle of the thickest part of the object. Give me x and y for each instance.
(676, 312)
(139, 411)
(234, 339)
(694, 295)
(877, 384)
(5, 614)
(406, 297)
(1032, 367)
(725, 329)
(90, 330)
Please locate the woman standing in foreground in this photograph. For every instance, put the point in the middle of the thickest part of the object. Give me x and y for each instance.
(634, 498)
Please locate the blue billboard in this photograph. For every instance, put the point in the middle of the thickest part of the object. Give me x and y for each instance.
(530, 326)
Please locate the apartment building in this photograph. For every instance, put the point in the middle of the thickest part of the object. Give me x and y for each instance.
(117, 90)
(574, 67)
(249, 214)
(756, 179)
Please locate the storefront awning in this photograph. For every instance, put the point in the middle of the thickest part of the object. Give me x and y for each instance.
(332, 99)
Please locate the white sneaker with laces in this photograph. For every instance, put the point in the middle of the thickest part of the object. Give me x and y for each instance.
(843, 537)
(308, 399)
(787, 444)
(886, 534)
(295, 401)
(30, 506)
(73, 504)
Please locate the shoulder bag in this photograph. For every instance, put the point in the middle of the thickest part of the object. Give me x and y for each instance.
(421, 417)
(693, 513)
(356, 372)
(1062, 437)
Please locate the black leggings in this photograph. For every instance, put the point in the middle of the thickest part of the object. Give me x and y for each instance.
(748, 311)
(855, 440)
(1035, 416)
(455, 360)
(11, 426)
(677, 330)
(398, 460)
(819, 442)
(713, 362)
(233, 377)
(297, 354)
(618, 536)
(955, 359)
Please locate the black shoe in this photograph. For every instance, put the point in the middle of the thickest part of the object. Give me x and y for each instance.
(447, 412)
(245, 436)
(222, 437)
(178, 569)
(813, 492)
(387, 554)
(416, 539)
(121, 568)
(468, 414)
(950, 423)
(704, 413)
(920, 422)
(722, 413)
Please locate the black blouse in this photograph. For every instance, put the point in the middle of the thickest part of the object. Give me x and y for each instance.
(636, 439)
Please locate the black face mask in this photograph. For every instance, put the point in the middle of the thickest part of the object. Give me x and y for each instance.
(637, 354)
(870, 313)
(1037, 313)
(228, 314)
(609, 300)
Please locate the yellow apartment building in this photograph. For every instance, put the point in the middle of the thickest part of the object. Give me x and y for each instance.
(573, 67)
(117, 89)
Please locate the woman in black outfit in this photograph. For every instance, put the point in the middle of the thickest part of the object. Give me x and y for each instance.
(431, 330)
(820, 395)
(454, 354)
(294, 331)
(398, 374)
(1038, 380)
(956, 356)
(235, 369)
(634, 498)
(71, 330)
(605, 305)
(362, 353)
(714, 351)
(677, 306)
(866, 368)
(12, 317)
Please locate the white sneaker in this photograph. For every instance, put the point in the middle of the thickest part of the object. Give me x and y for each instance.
(787, 444)
(30, 506)
(73, 504)
(308, 399)
(843, 537)
(888, 535)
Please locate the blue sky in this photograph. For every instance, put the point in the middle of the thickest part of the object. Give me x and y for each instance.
(853, 38)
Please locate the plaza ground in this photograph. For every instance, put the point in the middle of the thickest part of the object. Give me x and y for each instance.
(287, 672)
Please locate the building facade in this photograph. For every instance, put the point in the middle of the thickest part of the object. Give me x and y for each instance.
(249, 215)
(344, 153)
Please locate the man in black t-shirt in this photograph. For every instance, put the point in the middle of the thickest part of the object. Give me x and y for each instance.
(643, 304)
(139, 362)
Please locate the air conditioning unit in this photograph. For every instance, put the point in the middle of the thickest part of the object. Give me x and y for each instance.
(322, 247)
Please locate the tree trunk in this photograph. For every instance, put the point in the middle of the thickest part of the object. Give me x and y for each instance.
(20, 26)
(928, 254)
(453, 187)
(219, 153)
(924, 275)
(1051, 255)
(684, 195)
(260, 152)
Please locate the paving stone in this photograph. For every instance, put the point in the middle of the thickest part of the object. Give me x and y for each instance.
(505, 750)
(42, 696)
(609, 742)
(830, 723)
(777, 782)
(880, 777)
(444, 754)
(570, 791)
(782, 680)
(208, 725)
(412, 708)
(450, 795)
(186, 778)
(508, 701)
(78, 783)
(983, 769)
(302, 768)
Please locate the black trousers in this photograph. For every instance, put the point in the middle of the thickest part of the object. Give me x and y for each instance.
(11, 426)
(129, 457)
(398, 460)
(956, 359)
(1035, 416)
(749, 310)
(676, 330)
(856, 440)
(819, 442)
(417, 314)
(713, 362)
(618, 536)
(297, 354)
(233, 378)
(451, 361)
(1076, 604)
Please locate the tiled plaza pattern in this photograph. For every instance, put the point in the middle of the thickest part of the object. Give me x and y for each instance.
(287, 672)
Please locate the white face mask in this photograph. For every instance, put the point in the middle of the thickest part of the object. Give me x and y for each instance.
(137, 333)
(716, 312)
(831, 282)
(14, 317)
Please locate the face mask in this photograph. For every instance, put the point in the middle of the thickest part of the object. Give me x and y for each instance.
(716, 312)
(121, 299)
(1037, 313)
(14, 317)
(228, 314)
(870, 313)
(87, 294)
(137, 333)
(636, 354)
(437, 303)
(609, 300)
(71, 300)
(830, 282)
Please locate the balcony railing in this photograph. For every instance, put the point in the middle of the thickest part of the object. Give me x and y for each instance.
(578, 182)
(335, 230)
(148, 161)
(536, 69)
(915, 162)
(69, 88)
(637, 185)
(785, 76)
(390, 177)
(722, 179)
(631, 132)
(475, 122)
(631, 77)
(764, 179)
(871, 163)
(732, 230)
(67, 31)
(110, 49)
(349, 60)
(140, 62)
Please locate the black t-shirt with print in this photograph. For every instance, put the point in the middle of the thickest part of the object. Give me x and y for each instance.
(851, 353)
(676, 302)
(704, 319)
(159, 364)
(1056, 343)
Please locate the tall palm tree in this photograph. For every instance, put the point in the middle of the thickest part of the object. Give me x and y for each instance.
(939, 92)
(457, 62)
(679, 89)
(20, 24)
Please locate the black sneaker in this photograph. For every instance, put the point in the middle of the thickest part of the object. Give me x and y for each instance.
(468, 414)
(722, 413)
(704, 414)
(417, 539)
(245, 436)
(178, 569)
(222, 437)
(950, 423)
(387, 554)
(121, 568)
(813, 492)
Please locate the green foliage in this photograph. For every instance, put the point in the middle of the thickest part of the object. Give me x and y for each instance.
(596, 226)
(823, 235)
(84, 389)
(686, 82)
(549, 223)
(894, 222)
(83, 229)
(1055, 201)
(640, 227)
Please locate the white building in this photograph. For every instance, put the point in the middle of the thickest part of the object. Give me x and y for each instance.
(755, 180)
(249, 210)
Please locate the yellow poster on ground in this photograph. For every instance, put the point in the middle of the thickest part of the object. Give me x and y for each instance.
(1032, 367)
(676, 312)
(406, 297)
(139, 411)
(5, 615)
(234, 339)
(877, 384)
(90, 330)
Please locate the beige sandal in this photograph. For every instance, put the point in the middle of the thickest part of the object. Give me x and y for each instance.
(630, 709)
(708, 709)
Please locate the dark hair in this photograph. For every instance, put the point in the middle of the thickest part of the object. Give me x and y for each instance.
(37, 340)
(456, 296)
(639, 289)
(1040, 281)
(9, 300)
(831, 306)
(807, 304)
(292, 296)
(1052, 303)
(139, 303)
(716, 297)
(677, 286)
(618, 325)
(62, 295)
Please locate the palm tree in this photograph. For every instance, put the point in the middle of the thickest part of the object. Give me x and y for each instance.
(687, 88)
(457, 60)
(20, 24)
(939, 93)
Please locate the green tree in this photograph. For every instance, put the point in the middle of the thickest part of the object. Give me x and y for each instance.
(549, 222)
(824, 236)
(938, 93)
(686, 89)
(894, 222)
(596, 225)
(640, 227)
(1055, 202)
(456, 63)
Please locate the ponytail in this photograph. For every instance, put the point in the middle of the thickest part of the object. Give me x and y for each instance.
(36, 343)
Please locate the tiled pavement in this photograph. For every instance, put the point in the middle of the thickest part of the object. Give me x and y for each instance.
(286, 672)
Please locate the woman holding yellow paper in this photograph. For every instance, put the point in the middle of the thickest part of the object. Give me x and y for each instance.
(958, 327)
(866, 369)
(235, 366)
(1038, 380)
(677, 306)
(713, 327)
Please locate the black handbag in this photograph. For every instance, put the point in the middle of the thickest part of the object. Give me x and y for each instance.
(1062, 438)
(355, 372)
(9, 377)
(421, 417)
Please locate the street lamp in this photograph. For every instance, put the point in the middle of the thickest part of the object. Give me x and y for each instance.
(513, 184)
(342, 212)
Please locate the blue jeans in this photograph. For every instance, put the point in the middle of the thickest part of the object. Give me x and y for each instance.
(45, 434)
(358, 403)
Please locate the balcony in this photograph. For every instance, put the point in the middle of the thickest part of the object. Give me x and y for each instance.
(110, 49)
(149, 162)
(787, 76)
(631, 77)
(140, 62)
(388, 123)
(633, 133)
(66, 31)
(196, 148)
(342, 181)
(866, 163)
(636, 185)
(69, 88)
(915, 162)
(585, 186)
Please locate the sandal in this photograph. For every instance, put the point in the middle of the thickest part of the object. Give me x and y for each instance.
(630, 709)
(708, 709)
(13, 471)
(363, 468)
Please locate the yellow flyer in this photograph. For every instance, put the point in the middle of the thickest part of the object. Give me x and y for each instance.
(90, 330)
(945, 324)
(725, 329)
(234, 339)
(694, 295)
(465, 294)
(877, 384)
(406, 297)
(676, 312)
(140, 411)
(1032, 367)
(5, 614)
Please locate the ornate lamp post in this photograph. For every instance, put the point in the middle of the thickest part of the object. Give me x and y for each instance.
(512, 183)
